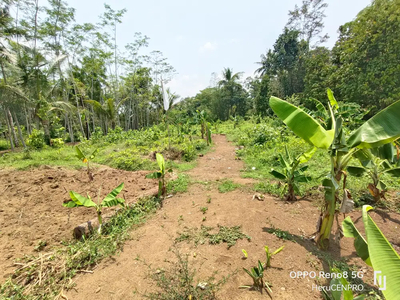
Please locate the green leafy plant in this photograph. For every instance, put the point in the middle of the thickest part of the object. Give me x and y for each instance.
(381, 129)
(245, 255)
(205, 126)
(86, 159)
(204, 209)
(109, 201)
(377, 252)
(36, 139)
(160, 175)
(375, 163)
(270, 255)
(257, 274)
(292, 173)
(57, 142)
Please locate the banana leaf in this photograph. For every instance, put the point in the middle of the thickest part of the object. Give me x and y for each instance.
(381, 129)
(306, 156)
(383, 257)
(79, 200)
(160, 162)
(302, 123)
(277, 174)
(111, 196)
(356, 171)
(79, 154)
(332, 99)
(361, 245)
(394, 172)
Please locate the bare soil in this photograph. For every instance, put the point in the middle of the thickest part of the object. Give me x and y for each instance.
(126, 277)
(31, 208)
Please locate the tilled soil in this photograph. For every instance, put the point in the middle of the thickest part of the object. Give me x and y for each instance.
(31, 210)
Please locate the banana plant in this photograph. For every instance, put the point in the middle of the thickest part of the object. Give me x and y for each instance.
(160, 175)
(377, 252)
(208, 134)
(257, 274)
(381, 129)
(109, 201)
(292, 173)
(270, 255)
(375, 163)
(86, 159)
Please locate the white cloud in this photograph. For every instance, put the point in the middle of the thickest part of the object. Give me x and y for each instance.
(187, 85)
(209, 46)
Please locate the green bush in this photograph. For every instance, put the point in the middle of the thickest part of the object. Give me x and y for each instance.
(57, 143)
(4, 145)
(36, 139)
(130, 160)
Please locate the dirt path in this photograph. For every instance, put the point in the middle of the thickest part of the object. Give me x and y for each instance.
(121, 276)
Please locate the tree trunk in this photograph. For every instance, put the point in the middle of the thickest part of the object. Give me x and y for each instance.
(19, 131)
(9, 133)
(14, 135)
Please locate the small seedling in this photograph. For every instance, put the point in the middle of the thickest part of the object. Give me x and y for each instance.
(160, 175)
(40, 246)
(209, 199)
(109, 201)
(204, 209)
(204, 219)
(180, 218)
(86, 159)
(269, 255)
(244, 253)
(257, 274)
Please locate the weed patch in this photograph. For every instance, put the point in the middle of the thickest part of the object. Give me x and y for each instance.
(228, 235)
(179, 185)
(227, 186)
(178, 282)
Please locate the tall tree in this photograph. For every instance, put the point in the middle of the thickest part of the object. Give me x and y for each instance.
(367, 56)
(308, 20)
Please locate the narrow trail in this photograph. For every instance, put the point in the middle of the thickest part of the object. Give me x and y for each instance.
(120, 276)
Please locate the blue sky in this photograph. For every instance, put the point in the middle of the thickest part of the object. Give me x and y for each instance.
(201, 37)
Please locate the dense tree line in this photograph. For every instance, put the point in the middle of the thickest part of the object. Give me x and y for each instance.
(67, 79)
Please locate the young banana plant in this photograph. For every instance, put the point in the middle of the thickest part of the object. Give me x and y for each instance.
(292, 173)
(86, 159)
(257, 274)
(381, 129)
(160, 175)
(109, 201)
(270, 255)
(375, 163)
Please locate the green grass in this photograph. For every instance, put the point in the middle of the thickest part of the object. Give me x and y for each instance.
(179, 185)
(56, 269)
(182, 166)
(131, 151)
(228, 235)
(227, 186)
(284, 235)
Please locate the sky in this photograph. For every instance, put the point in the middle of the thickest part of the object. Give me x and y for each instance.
(202, 37)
